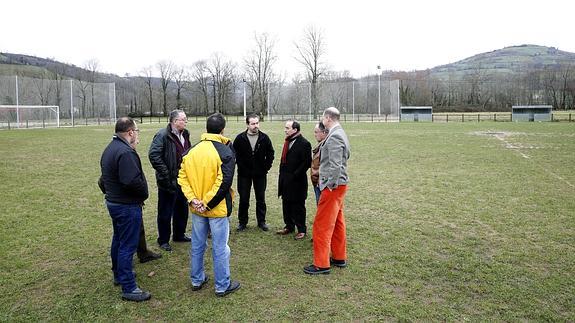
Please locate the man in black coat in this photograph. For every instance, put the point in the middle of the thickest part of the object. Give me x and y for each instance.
(166, 152)
(254, 157)
(292, 183)
(124, 183)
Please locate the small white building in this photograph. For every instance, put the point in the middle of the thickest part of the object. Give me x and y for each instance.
(416, 114)
(531, 112)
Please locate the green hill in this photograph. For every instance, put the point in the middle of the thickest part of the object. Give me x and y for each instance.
(509, 60)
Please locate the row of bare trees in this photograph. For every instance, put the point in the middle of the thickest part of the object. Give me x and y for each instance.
(481, 90)
(215, 84)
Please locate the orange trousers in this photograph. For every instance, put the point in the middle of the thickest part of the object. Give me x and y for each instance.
(329, 228)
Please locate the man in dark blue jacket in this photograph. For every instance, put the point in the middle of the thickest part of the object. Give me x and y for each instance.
(254, 157)
(126, 189)
(166, 151)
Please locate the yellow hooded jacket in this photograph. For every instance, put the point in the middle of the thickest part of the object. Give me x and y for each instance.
(206, 174)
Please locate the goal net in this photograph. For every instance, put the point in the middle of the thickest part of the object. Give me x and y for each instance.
(29, 116)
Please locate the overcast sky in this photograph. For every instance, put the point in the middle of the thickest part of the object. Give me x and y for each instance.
(125, 35)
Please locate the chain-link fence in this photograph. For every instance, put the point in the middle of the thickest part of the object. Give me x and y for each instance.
(79, 102)
(375, 98)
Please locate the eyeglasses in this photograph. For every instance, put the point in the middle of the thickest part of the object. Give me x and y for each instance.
(184, 120)
(136, 130)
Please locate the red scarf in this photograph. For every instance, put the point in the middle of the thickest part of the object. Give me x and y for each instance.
(286, 145)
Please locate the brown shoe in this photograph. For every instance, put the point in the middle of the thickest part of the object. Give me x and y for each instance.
(299, 236)
(284, 231)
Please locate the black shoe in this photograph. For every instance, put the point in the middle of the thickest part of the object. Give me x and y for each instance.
(313, 270)
(137, 295)
(182, 239)
(338, 263)
(284, 231)
(166, 246)
(299, 236)
(263, 226)
(241, 227)
(234, 286)
(117, 283)
(197, 288)
(150, 256)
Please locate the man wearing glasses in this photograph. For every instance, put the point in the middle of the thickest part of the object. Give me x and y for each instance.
(166, 151)
(124, 184)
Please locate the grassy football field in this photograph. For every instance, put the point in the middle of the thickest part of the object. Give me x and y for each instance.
(457, 221)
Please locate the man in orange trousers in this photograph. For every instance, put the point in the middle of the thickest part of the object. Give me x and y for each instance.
(329, 234)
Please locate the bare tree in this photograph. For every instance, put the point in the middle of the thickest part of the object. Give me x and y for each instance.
(147, 74)
(92, 67)
(311, 50)
(181, 77)
(43, 86)
(166, 69)
(82, 86)
(222, 79)
(259, 68)
(201, 74)
(551, 85)
(565, 78)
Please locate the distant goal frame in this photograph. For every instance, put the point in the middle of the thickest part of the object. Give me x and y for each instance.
(54, 108)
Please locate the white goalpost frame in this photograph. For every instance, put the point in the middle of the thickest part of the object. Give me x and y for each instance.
(53, 108)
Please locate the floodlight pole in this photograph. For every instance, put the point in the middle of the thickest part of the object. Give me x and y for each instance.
(268, 101)
(112, 100)
(17, 109)
(352, 101)
(309, 118)
(72, 102)
(378, 90)
(244, 80)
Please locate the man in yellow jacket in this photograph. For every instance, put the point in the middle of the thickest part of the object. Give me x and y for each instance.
(206, 176)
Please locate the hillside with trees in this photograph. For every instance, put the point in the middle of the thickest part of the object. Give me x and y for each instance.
(492, 81)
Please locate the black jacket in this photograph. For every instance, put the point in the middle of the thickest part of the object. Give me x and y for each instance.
(253, 163)
(122, 180)
(165, 158)
(292, 182)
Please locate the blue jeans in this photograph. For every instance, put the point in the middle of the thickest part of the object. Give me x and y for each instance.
(220, 228)
(126, 220)
(317, 192)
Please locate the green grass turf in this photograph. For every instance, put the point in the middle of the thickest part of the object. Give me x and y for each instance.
(458, 221)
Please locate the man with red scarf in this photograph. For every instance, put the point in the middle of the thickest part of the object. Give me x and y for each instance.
(292, 183)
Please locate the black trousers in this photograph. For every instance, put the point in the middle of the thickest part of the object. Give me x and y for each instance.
(244, 188)
(142, 246)
(294, 215)
(172, 210)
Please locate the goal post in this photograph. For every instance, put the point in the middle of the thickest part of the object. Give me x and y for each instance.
(33, 116)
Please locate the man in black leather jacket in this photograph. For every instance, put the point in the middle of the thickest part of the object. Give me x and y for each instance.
(254, 157)
(166, 152)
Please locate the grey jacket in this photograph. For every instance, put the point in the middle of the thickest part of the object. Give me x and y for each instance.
(333, 161)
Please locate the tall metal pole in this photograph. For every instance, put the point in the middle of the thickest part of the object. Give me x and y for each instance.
(244, 98)
(17, 103)
(113, 100)
(268, 101)
(352, 101)
(398, 100)
(309, 101)
(378, 91)
(72, 101)
(390, 98)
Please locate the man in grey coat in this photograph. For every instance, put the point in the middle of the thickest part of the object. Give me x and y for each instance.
(329, 232)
